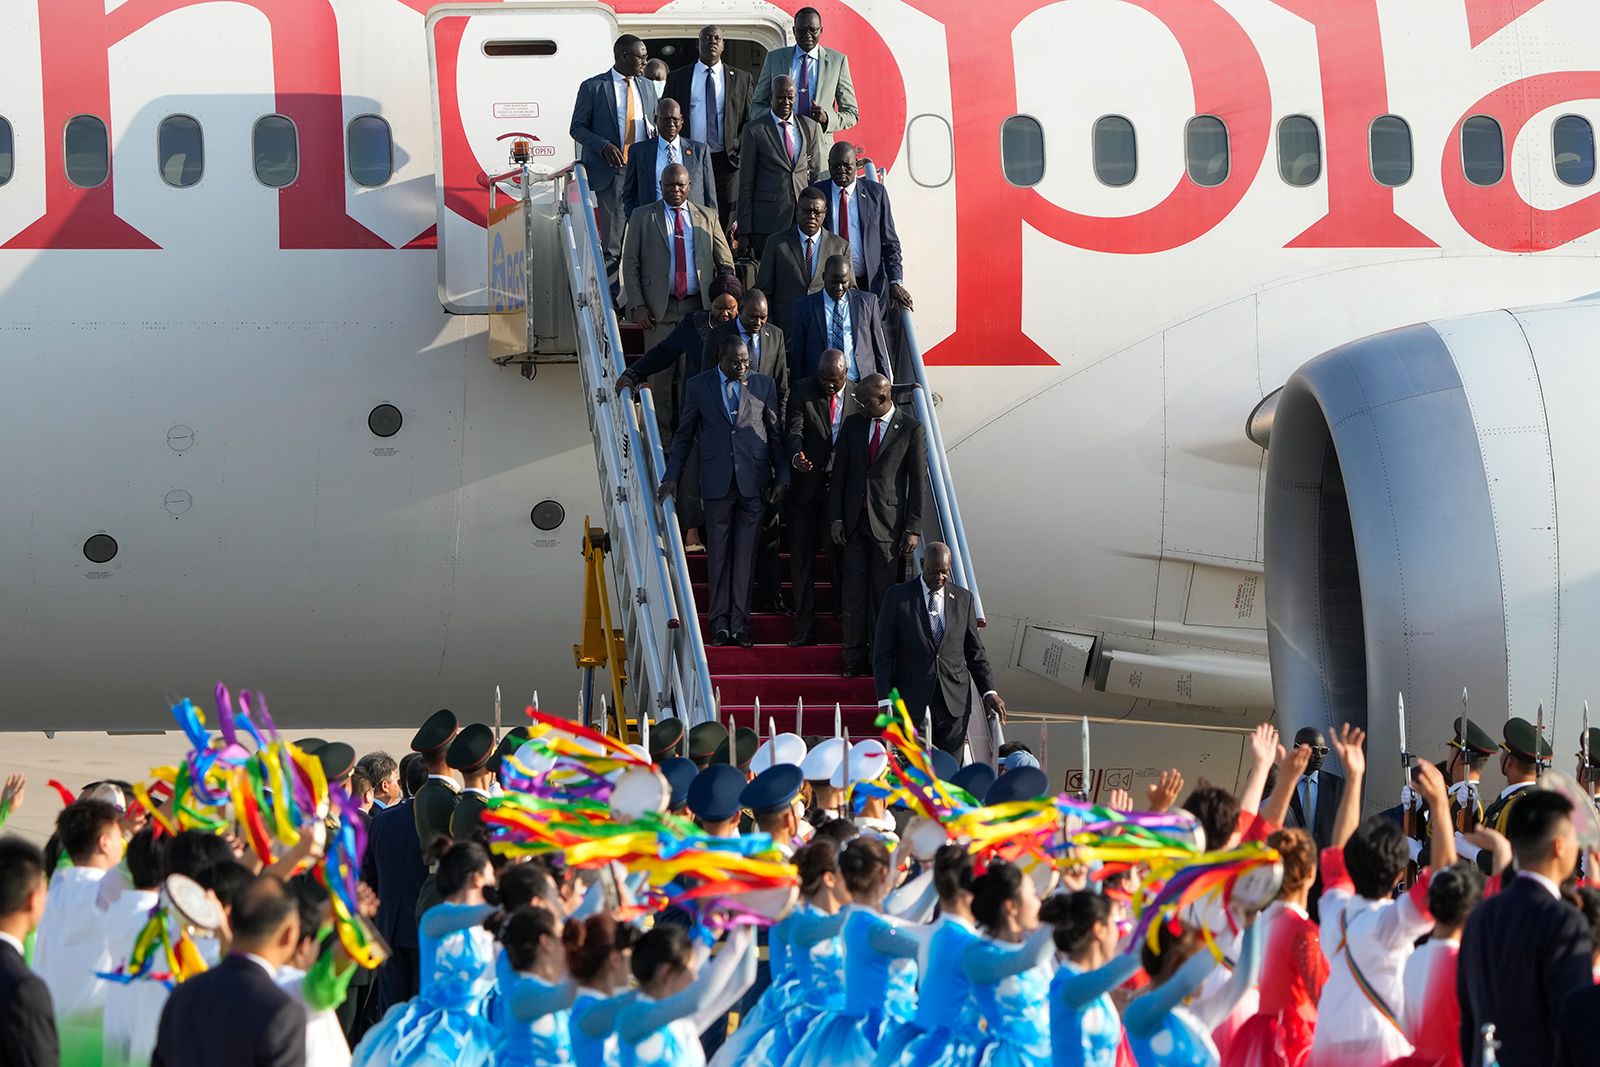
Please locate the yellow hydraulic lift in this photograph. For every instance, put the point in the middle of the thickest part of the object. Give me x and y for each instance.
(602, 646)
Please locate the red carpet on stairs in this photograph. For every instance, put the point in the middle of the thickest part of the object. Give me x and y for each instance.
(780, 676)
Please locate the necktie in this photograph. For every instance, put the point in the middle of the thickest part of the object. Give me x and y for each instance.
(877, 438)
(628, 120)
(844, 214)
(788, 143)
(1308, 802)
(733, 400)
(713, 114)
(803, 92)
(935, 620)
(680, 258)
(833, 416)
(836, 327)
(811, 258)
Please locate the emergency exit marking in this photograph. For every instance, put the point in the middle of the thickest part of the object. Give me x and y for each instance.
(526, 110)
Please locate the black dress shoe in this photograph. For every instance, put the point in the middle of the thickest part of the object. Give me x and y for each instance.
(801, 640)
(856, 672)
(743, 640)
(719, 638)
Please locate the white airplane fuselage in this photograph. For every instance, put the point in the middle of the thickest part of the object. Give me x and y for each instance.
(191, 370)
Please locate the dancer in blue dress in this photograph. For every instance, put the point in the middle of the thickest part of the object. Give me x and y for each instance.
(534, 991)
(1085, 1030)
(1010, 970)
(793, 985)
(1164, 1033)
(946, 1030)
(599, 950)
(876, 994)
(679, 996)
(443, 1025)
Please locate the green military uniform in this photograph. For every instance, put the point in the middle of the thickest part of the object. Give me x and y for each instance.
(470, 753)
(704, 740)
(1522, 740)
(666, 740)
(435, 802)
(1474, 742)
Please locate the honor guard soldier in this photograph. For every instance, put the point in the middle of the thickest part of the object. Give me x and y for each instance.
(1589, 766)
(514, 739)
(470, 754)
(666, 740)
(436, 800)
(1521, 753)
(1470, 748)
(744, 746)
(679, 772)
(704, 740)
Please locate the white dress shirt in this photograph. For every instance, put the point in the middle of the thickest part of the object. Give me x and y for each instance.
(692, 277)
(621, 89)
(850, 192)
(667, 153)
(1549, 886)
(841, 308)
(697, 105)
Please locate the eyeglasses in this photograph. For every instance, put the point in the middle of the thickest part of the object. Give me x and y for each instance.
(1316, 750)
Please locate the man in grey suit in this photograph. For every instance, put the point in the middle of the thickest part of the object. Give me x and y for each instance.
(821, 76)
(612, 112)
(841, 317)
(673, 250)
(791, 267)
(781, 155)
(650, 158)
(733, 416)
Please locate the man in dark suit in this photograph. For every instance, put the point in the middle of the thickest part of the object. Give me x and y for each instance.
(859, 213)
(791, 267)
(927, 646)
(641, 183)
(715, 98)
(780, 155)
(613, 111)
(733, 416)
(880, 466)
(767, 356)
(817, 409)
(1525, 949)
(235, 1013)
(839, 317)
(394, 869)
(1316, 796)
(27, 1018)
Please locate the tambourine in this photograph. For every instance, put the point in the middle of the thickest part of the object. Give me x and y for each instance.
(924, 837)
(378, 949)
(535, 756)
(639, 791)
(1257, 887)
(771, 904)
(1192, 833)
(1043, 873)
(194, 907)
(1585, 820)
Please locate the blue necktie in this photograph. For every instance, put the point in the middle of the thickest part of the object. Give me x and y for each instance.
(713, 114)
(733, 400)
(836, 330)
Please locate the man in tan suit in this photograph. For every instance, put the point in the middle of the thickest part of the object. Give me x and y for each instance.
(672, 251)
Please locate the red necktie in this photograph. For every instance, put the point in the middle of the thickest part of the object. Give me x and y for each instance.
(788, 143)
(680, 258)
(833, 415)
(844, 214)
(877, 435)
(811, 261)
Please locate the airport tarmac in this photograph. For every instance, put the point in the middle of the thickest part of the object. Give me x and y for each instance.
(77, 758)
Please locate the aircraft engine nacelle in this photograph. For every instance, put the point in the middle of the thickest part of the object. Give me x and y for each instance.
(1432, 520)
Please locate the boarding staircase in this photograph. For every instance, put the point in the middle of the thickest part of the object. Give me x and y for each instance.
(657, 587)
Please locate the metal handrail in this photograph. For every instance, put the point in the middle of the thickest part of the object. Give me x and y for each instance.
(685, 680)
(944, 486)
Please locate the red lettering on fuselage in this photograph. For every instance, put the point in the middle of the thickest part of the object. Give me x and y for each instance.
(75, 38)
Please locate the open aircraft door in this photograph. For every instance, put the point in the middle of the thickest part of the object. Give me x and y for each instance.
(498, 70)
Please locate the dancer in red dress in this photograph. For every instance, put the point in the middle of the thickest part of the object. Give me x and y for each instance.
(1280, 1034)
(1432, 1014)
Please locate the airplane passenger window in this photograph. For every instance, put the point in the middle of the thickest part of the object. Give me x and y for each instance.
(370, 147)
(1573, 141)
(277, 151)
(1483, 153)
(930, 150)
(1022, 150)
(1299, 151)
(180, 151)
(6, 158)
(88, 151)
(1116, 150)
(1389, 150)
(1206, 145)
